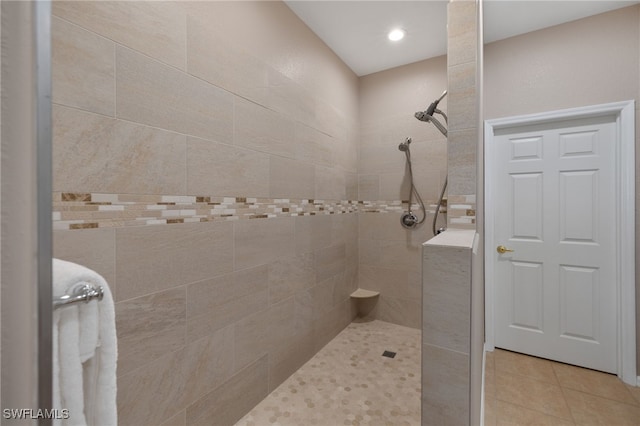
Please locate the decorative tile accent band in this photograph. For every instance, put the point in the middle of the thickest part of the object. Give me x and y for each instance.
(98, 210)
(462, 211)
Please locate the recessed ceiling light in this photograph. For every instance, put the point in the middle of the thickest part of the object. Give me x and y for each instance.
(396, 34)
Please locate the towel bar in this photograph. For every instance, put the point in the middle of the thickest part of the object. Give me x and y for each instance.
(80, 293)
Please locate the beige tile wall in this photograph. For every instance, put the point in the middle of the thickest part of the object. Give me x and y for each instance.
(451, 347)
(155, 101)
(389, 254)
(462, 72)
(446, 329)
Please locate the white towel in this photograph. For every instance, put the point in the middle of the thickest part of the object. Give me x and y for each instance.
(84, 351)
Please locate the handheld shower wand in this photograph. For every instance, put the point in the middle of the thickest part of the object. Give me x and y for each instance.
(409, 219)
(427, 116)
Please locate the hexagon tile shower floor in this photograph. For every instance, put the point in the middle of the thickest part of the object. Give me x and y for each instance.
(351, 382)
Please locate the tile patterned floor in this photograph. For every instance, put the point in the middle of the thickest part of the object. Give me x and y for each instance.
(524, 390)
(349, 382)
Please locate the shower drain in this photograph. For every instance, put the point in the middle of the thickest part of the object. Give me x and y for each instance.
(389, 354)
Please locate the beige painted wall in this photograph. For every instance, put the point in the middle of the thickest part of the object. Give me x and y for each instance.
(390, 256)
(585, 62)
(220, 99)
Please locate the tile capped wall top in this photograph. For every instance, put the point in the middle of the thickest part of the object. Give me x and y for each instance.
(453, 238)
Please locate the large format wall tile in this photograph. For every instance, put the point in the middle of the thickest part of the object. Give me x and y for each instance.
(369, 187)
(210, 58)
(152, 93)
(93, 153)
(150, 326)
(83, 67)
(156, 29)
(179, 419)
(330, 261)
(463, 109)
(462, 32)
(228, 403)
(331, 323)
(257, 242)
(159, 257)
(462, 162)
(322, 298)
(330, 183)
(396, 186)
(262, 129)
(225, 170)
(447, 288)
(313, 146)
(215, 303)
(166, 386)
(385, 280)
(312, 232)
(290, 98)
(331, 121)
(137, 406)
(344, 230)
(289, 275)
(291, 179)
(351, 185)
(380, 157)
(391, 254)
(283, 362)
(399, 311)
(260, 333)
(445, 387)
(207, 363)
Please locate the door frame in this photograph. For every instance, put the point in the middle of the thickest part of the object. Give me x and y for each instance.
(624, 113)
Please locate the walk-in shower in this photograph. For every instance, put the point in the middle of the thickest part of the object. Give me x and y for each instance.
(409, 219)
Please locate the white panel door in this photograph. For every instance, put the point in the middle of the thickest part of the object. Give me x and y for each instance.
(555, 293)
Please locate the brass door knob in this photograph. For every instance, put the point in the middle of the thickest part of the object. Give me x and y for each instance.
(502, 249)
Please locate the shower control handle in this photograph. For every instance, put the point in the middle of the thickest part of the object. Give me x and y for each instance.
(502, 249)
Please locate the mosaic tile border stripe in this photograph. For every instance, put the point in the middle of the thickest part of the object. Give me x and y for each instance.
(72, 210)
(462, 210)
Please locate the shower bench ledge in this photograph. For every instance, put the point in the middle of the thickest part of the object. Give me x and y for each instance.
(361, 293)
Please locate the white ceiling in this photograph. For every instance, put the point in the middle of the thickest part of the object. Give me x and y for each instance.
(357, 30)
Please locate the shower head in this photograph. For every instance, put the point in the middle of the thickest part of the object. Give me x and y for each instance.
(427, 116)
(423, 116)
(435, 103)
(404, 146)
